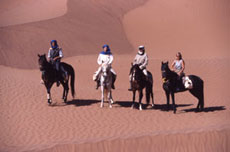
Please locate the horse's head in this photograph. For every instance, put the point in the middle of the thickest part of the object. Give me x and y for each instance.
(42, 61)
(164, 70)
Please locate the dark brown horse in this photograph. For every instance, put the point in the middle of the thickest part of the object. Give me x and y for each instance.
(139, 82)
(172, 85)
(49, 76)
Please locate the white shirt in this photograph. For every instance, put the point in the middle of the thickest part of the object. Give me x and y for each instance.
(105, 58)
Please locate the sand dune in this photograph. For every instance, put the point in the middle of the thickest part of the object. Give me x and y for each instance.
(26, 11)
(29, 124)
(85, 27)
(198, 29)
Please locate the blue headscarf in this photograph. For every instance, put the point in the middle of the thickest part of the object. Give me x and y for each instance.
(55, 44)
(107, 51)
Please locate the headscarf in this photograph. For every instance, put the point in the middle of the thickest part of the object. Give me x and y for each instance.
(108, 51)
(55, 44)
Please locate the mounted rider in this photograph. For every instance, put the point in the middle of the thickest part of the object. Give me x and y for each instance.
(140, 59)
(54, 56)
(105, 57)
(178, 66)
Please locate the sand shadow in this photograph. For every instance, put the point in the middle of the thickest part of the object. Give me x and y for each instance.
(207, 109)
(82, 102)
(162, 107)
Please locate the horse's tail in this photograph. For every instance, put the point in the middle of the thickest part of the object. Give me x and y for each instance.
(72, 81)
(149, 89)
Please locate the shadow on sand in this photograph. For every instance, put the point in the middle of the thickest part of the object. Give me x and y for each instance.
(82, 102)
(162, 107)
(207, 109)
(76, 102)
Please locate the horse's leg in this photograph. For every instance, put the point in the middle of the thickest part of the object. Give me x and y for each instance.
(63, 95)
(48, 88)
(102, 96)
(173, 102)
(152, 98)
(66, 90)
(110, 98)
(140, 98)
(134, 94)
(200, 96)
(168, 99)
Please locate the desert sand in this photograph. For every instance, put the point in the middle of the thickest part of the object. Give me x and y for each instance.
(199, 29)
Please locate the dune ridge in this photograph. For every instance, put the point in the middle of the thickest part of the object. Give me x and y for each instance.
(85, 27)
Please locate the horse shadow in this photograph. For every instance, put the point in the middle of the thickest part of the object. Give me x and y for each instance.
(76, 102)
(207, 109)
(162, 107)
(82, 102)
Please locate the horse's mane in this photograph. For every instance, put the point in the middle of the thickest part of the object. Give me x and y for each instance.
(169, 71)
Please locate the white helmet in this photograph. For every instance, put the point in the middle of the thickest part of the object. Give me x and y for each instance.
(141, 47)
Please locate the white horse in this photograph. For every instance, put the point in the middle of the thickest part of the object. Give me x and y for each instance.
(106, 83)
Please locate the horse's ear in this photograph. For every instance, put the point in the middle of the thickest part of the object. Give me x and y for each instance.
(167, 62)
(131, 63)
(39, 55)
(162, 62)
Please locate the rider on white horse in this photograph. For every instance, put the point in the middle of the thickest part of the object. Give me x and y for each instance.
(140, 59)
(105, 57)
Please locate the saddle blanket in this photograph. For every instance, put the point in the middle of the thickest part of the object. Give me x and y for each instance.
(187, 82)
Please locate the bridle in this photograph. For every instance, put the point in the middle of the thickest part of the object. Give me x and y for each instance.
(164, 78)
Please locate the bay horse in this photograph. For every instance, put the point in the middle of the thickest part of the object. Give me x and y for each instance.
(172, 85)
(106, 80)
(49, 77)
(139, 82)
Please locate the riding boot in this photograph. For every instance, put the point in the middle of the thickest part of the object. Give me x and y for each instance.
(65, 76)
(98, 84)
(131, 88)
(113, 81)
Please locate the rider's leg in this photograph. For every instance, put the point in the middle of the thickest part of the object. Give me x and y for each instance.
(146, 74)
(64, 72)
(96, 77)
(58, 75)
(114, 76)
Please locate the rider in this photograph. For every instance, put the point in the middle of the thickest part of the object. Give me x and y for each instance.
(54, 56)
(140, 59)
(178, 66)
(105, 57)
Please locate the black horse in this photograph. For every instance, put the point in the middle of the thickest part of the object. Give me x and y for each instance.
(49, 77)
(139, 82)
(171, 85)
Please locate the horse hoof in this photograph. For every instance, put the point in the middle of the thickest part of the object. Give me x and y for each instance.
(101, 106)
(49, 102)
(132, 106)
(110, 106)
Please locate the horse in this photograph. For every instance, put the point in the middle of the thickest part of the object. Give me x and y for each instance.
(49, 77)
(106, 84)
(172, 85)
(139, 82)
